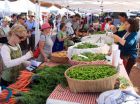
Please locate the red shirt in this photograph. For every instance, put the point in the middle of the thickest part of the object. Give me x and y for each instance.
(103, 26)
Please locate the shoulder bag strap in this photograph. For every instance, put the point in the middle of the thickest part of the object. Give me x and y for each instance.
(2, 31)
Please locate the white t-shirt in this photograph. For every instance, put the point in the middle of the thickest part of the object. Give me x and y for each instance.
(8, 62)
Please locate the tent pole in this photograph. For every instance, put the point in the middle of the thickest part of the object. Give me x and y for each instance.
(67, 9)
(37, 22)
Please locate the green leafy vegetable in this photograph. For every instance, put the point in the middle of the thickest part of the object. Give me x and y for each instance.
(86, 45)
(43, 83)
(100, 32)
(124, 81)
(91, 72)
(109, 44)
(89, 57)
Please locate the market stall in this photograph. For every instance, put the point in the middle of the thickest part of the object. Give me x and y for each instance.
(100, 38)
(77, 76)
(64, 96)
(49, 82)
(90, 71)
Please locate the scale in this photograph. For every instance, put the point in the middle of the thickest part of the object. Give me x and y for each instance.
(99, 40)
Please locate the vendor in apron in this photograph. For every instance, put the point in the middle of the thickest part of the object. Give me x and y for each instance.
(12, 56)
(128, 43)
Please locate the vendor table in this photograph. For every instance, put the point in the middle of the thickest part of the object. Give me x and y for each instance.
(50, 64)
(64, 96)
(99, 38)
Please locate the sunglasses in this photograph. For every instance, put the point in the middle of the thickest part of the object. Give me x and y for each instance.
(23, 18)
(20, 38)
(32, 16)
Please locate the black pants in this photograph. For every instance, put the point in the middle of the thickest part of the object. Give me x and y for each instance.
(128, 64)
(4, 83)
(3, 40)
(32, 42)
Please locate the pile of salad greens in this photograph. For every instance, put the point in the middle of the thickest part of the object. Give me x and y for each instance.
(86, 45)
(89, 57)
(91, 72)
(100, 32)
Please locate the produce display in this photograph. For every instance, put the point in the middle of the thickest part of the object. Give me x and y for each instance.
(34, 88)
(89, 57)
(59, 54)
(122, 83)
(91, 77)
(44, 82)
(59, 57)
(17, 88)
(91, 72)
(86, 45)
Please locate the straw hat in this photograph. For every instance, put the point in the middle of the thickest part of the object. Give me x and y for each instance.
(30, 13)
(6, 19)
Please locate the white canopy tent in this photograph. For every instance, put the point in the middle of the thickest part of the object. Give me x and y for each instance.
(4, 8)
(53, 9)
(43, 9)
(107, 5)
(130, 14)
(63, 11)
(85, 5)
(21, 6)
(112, 6)
(7, 7)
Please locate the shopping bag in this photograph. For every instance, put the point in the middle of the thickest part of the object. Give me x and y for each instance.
(36, 52)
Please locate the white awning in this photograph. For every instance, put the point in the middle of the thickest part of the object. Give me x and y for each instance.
(108, 5)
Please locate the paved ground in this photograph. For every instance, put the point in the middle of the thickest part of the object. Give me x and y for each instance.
(135, 77)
